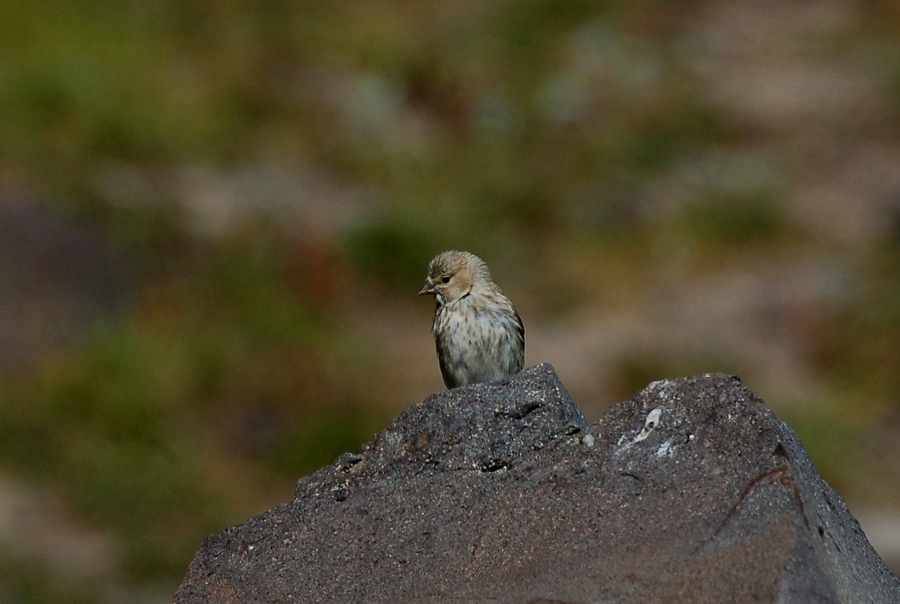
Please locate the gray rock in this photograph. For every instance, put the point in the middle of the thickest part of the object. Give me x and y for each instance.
(693, 491)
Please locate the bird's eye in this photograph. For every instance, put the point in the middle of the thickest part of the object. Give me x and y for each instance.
(445, 279)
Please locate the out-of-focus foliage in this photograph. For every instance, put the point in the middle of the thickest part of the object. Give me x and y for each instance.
(272, 169)
(218, 365)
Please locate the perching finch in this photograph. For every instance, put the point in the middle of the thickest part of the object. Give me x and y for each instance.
(477, 332)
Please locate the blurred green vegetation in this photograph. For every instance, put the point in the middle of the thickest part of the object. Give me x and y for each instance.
(29, 584)
(859, 348)
(521, 129)
(735, 220)
(190, 411)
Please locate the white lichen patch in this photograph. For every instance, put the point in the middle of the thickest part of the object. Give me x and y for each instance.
(393, 438)
(662, 389)
(650, 424)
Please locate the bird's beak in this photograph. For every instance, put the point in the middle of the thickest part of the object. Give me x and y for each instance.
(428, 288)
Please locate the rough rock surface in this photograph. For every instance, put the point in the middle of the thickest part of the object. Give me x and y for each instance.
(693, 491)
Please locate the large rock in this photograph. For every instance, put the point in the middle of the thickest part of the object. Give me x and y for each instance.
(693, 491)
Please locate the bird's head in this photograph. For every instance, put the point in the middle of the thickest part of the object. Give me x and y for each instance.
(452, 275)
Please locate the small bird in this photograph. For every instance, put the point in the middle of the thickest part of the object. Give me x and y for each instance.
(477, 332)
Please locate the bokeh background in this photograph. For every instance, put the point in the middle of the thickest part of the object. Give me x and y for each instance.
(214, 218)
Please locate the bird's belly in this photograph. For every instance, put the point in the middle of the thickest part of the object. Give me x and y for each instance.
(476, 350)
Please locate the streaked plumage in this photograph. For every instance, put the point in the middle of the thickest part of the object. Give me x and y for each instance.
(477, 332)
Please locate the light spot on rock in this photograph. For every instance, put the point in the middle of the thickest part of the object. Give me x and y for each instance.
(662, 389)
(653, 418)
(650, 423)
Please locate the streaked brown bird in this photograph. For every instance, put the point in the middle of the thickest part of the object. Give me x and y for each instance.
(477, 332)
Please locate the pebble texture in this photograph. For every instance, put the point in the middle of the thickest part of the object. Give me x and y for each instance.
(693, 491)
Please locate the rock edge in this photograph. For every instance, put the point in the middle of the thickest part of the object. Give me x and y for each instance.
(693, 491)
